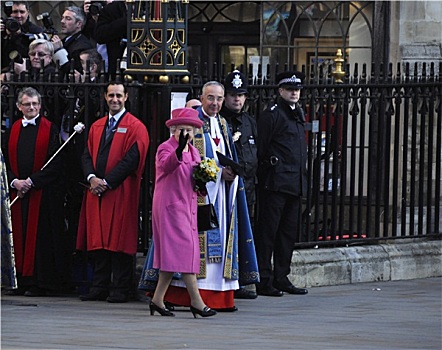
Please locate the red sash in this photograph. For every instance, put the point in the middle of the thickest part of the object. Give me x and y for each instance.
(25, 253)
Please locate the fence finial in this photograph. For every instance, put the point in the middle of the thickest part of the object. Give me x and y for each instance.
(338, 73)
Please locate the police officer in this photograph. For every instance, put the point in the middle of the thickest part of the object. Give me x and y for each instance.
(244, 131)
(282, 179)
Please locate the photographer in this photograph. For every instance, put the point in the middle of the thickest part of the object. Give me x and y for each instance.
(92, 10)
(16, 32)
(39, 67)
(72, 23)
(40, 59)
(111, 30)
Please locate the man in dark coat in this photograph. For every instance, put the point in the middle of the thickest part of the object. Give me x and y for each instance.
(244, 131)
(111, 29)
(282, 180)
(41, 247)
(72, 23)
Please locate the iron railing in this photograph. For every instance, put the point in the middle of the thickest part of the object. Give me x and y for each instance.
(374, 146)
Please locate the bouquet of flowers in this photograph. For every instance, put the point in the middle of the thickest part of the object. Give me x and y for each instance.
(203, 173)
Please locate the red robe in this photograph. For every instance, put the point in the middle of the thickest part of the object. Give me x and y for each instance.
(110, 222)
(25, 248)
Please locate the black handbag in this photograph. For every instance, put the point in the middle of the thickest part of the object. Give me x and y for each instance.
(207, 219)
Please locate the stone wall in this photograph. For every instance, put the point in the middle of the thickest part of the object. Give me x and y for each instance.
(383, 262)
(420, 32)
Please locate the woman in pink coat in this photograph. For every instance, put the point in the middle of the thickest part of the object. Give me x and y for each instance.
(174, 213)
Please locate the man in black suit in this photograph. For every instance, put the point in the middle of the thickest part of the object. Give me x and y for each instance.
(282, 180)
(72, 22)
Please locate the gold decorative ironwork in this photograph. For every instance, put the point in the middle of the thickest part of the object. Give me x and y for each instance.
(158, 37)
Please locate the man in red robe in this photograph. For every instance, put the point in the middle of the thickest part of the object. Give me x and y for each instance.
(113, 163)
(40, 243)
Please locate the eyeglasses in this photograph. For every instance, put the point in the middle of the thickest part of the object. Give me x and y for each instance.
(214, 98)
(30, 104)
(39, 54)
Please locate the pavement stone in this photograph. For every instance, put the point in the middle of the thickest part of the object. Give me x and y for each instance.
(377, 315)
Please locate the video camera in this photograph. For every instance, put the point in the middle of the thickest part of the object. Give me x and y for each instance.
(96, 7)
(48, 23)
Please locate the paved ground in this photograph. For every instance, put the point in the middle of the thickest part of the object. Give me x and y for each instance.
(382, 315)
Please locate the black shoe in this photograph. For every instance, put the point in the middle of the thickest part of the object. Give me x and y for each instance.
(35, 292)
(269, 292)
(17, 291)
(227, 309)
(206, 312)
(243, 293)
(116, 300)
(291, 289)
(170, 306)
(163, 311)
(93, 296)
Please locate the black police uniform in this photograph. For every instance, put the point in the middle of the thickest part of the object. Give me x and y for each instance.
(246, 149)
(246, 146)
(282, 180)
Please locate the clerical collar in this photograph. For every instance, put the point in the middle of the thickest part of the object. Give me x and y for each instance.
(118, 115)
(205, 113)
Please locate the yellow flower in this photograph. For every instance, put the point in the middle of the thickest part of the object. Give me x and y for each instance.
(206, 171)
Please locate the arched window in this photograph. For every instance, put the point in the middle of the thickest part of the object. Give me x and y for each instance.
(301, 33)
(305, 33)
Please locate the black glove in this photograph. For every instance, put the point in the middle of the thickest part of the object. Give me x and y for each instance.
(182, 142)
(200, 187)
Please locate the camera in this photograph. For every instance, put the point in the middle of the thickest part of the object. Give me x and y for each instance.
(11, 24)
(7, 8)
(15, 56)
(96, 7)
(48, 23)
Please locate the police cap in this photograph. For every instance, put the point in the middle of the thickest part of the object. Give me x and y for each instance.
(236, 82)
(291, 79)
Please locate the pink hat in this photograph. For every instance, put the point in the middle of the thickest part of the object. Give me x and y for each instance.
(185, 116)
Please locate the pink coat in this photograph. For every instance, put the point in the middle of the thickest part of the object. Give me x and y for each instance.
(174, 210)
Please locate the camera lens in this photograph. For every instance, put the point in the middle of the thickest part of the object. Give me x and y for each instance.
(15, 56)
(12, 25)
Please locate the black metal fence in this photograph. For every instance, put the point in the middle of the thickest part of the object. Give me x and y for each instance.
(374, 160)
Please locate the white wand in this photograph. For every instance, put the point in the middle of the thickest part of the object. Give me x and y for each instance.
(78, 129)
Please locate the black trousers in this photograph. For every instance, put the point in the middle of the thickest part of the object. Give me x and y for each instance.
(276, 234)
(113, 273)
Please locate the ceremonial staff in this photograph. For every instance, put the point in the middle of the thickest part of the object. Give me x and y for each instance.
(78, 129)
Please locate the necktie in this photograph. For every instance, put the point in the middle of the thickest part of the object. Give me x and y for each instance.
(26, 122)
(110, 127)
